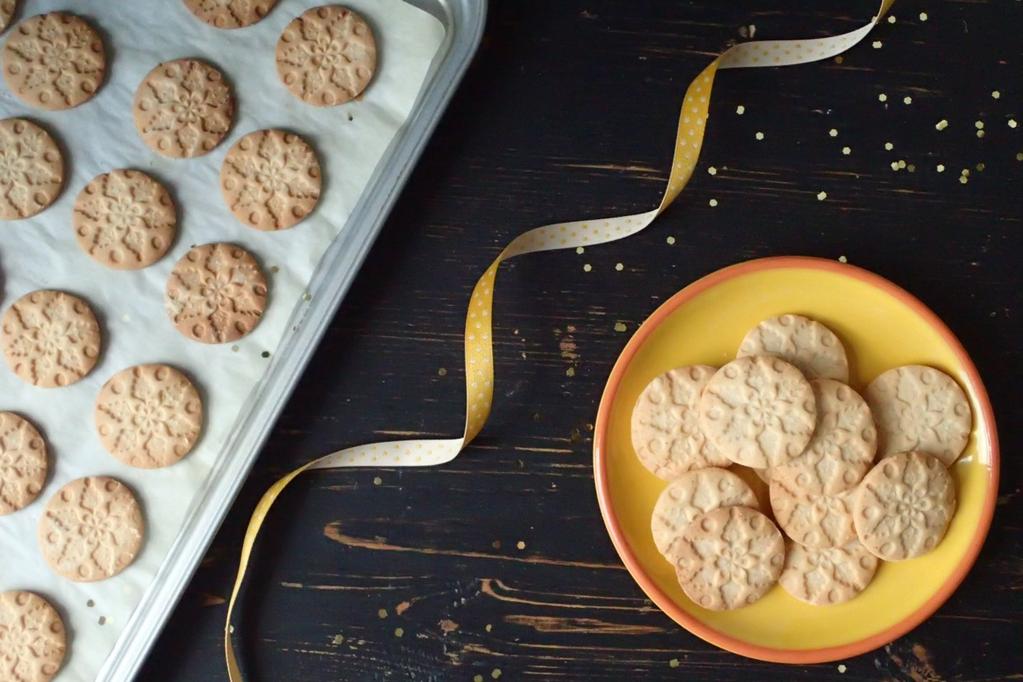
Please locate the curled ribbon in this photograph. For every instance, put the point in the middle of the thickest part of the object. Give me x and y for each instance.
(479, 355)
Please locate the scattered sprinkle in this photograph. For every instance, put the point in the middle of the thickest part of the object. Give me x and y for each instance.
(846, 150)
(338, 639)
(843, 259)
(833, 133)
(477, 678)
(980, 133)
(521, 544)
(1012, 123)
(442, 371)
(740, 110)
(673, 663)
(876, 44)
(759, 135)
(580, 250)
(911, 168)
(488, 627)
(902, 163)
(620, 327)
(102, 620)
(965, 171)
(1019, 156)
(963, 179)
(941, 168)
(894, 165)
(265, 354)
(980, 166)
(619, 267)
(570, 372)
(882, 97)
(891, 19)
(587, 267)
(712, 170)
(839, 59)
(399, 632)
(90, 603)
(889, 146)
(712, 203)
(995, 94)
(941, 125)
(382, 613)
(923, 16)
(670, 240)
(979, 125)
(907, 100)
(821, 196)
(841, 666)
(495, 673)
(377, 480)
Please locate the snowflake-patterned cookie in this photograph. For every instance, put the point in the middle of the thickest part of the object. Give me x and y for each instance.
(33, 640)
(124, 219)
(23, 464)
(327, 56)
(230, 13)
(91, 529)
(216, 293)
(827, 576)
(183, 108)
(50, 338)
(149, 416)
(270, 179)
(805, 343)
(31, 169)
(694, 493)
(806, 513)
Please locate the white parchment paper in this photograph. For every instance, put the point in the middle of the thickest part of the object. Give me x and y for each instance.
(41, 252)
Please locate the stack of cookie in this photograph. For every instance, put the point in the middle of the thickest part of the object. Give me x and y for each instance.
(783, 409)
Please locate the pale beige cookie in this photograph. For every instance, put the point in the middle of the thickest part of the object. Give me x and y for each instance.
(806, 513)
(50, 338)
(54, 61)
(23, 464)
(728, 557)
(666, 433)
(91, 529)
(33, 641)
(31, 169)
(216, 293)
(903, 506)
(270, 179)
(230, 13)
(183, 108)
(694, 493)
(124, 219)
(827, 576)
(327, 56)
(758, 411)
(920, 408)
(809, 345)
(148, 416)
(7, 9)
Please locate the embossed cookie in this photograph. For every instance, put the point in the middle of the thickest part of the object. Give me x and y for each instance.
(666, 433)
(23, 462)
(758, 411)
(148, 416)
(270, 179)
(728, 557)
(33, 641)
(31, 169)
(805, 343)
(124, 219)
(327, 56)
(230, 13)
(54, 61)
(91, 529)
(183, 108)
(694, 493)
(808, 515)
(827, 576)
(7, 9)
(216, 293)
(50, 338)
(903, 506)
(920, 408)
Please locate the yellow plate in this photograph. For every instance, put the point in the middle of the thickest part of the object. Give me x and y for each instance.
(882, 326)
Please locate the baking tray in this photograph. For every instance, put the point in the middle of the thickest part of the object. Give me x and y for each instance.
(463, 21)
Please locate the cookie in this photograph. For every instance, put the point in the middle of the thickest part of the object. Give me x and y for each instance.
(230, 13)
(148, 416)
(23, 462)
(806, 513)
(920, 408)
(809, 345)
(327, 56)
(758, 411)
(54, 61)
(7, 9)
(91, 529)
(183, 108)
(31, 169)
(694, 493)
(33, 640)
(216, 293)
(270, 179)
(50, 338)
(124, 219)
(827, 576)
(666, 433)
(903, 506)
(728, 557)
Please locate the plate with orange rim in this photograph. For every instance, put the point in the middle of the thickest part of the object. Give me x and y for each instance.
(882, 326)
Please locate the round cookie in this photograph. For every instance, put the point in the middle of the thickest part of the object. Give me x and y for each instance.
(666, 433)
(758, 411)
(183, 108)
(827, 576)
(216, 293)
(7, 9)
(91, 529)
(809, 345)
(903, 506)
(23, 464)
(694, 493)
(270, 179)
(728, 557)
(327, 56)
(806, 513)
(230, 13)
(148, 416)
(124, 219)
(54, 61)
(50, 338)
(31, 169)
(33, 641)
(920, 408)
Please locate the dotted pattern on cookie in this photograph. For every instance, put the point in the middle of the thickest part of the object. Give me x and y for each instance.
(230, 13)
(23, 463)
(33, 641)
(826, 576)
(31, 169)
(809, 345)
(808, 515)
(694, 493)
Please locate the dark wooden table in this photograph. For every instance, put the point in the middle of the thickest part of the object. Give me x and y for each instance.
(498, 563)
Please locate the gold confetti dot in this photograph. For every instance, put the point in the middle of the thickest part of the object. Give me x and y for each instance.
(619, 267)
(377, 480)
(843, 259)
(477, 678)
(846, 151)
(839, 59)
(580, 250)
(521, 544)
(587, 267)
(891, 19)
(673, 663)
(889, 146)
(712, 203)
(902, 163)
(1012, 123)
(670, 240)
(841, 666)
(882, 97)
(1019, 156)
(980, 133)
(382, 613)
(907, 100)
(963, 179)
(712, 170)
(488, 627)
(980, 166)
(911, 168)
(821, 196)
(740, 110)
(979, 125)
(570, 372)
(399, 632)
(923, 16)
(876, 44)
(894, 165)
(620, 327)
(495, 673)
(442, 371)
(941, 125)
(941, 168)
(759, 135)
(995, 94)
(833, 133)
(965, 171)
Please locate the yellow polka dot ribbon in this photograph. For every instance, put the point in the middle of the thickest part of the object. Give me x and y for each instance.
(479, 354)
